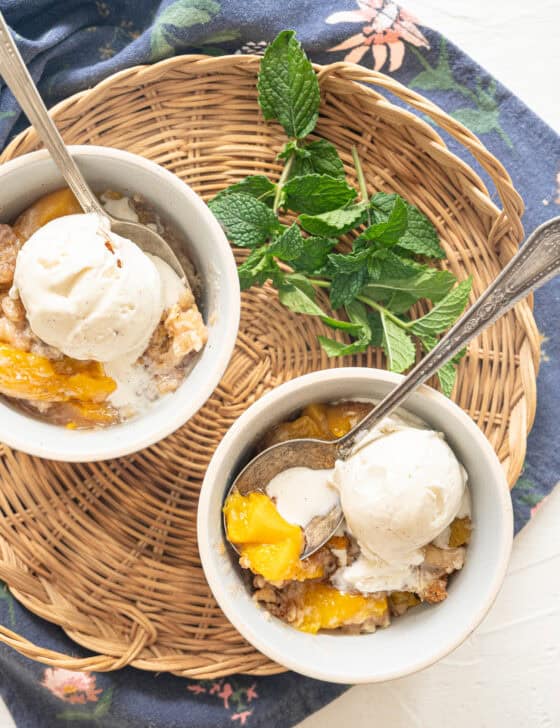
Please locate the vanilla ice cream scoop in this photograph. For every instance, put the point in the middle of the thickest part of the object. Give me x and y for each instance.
(399, 492)
(90, 293)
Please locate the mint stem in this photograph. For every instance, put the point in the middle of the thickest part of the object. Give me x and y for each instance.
(368, 301)
(281, 182)
(361, 179)
(320, 284)
(378, 307)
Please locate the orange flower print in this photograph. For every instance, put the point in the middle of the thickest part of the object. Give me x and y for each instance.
(386, 28)
(242, 716)
(225, 694)
(196, 689)
(232, 693)
(251, 693)
(70, 686)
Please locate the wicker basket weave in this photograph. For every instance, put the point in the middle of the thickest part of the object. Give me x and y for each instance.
(108, 550)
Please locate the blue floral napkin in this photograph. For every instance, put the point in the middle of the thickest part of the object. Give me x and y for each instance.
(74, 44)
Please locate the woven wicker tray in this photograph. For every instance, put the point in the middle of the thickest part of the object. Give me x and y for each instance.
(108, 550)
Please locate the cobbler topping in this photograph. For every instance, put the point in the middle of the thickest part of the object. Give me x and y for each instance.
(345, 586)
(76, 300)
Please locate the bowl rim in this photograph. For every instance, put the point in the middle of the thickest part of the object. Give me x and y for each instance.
(85, 445)
(210, 557)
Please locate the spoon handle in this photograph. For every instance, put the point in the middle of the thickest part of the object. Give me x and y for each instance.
(17, 78)
(536, 263)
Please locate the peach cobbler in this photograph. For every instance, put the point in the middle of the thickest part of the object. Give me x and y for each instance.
(406, 524)
(92, 329)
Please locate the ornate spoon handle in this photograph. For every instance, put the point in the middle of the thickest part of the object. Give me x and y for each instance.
(536, 263)
(20, 83)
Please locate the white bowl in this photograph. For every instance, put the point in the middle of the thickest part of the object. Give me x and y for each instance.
(26, 178)
(424, 635)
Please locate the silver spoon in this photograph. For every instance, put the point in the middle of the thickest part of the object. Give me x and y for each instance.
(16, 76)
(536, 263)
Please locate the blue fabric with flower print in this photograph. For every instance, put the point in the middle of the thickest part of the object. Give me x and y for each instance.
(74, 44)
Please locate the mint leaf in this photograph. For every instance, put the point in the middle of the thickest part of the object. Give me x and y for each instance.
(398, 346)
(290, 149)
(376, 328)
(298, 300)
(393, 266)
(335, 222)
(444, 313)
(357, 313)
(314, 254)
(289, 246)
(338, 348)
(247, 222)
(297, 294)
(428, 341)
(258, 268)
(346, 286)
(400, 301)
(447, 375)
(382, 203)
(288, 87)
(314, 194)
(429, 283)
(302, 282)
(348, 262)
(256, 185)
(358, 326)
(374, 268)
(319, 157)
(391, 230)
(420, 237)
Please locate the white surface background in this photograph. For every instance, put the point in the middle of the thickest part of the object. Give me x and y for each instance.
(518, 41)
(507, 673)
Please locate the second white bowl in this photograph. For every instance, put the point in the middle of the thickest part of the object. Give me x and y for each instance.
(424, 635)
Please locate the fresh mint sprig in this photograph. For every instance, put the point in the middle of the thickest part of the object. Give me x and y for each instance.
(373, 285)
(288, 87)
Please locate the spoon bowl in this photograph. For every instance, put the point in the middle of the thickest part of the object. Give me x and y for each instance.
(149, 241)
(306, 453)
